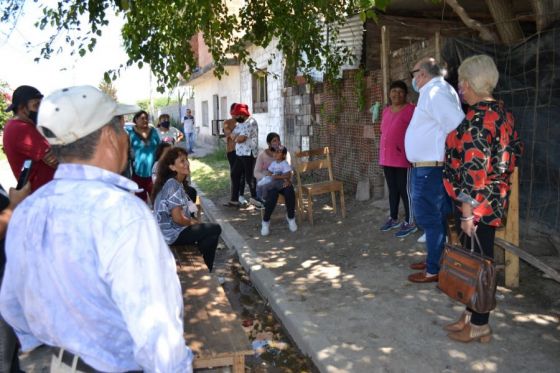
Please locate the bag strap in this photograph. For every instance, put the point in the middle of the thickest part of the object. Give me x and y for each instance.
(477, 241)
(472, 242)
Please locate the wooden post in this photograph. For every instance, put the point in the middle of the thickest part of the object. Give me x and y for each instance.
(385, 63)
(385, 75)
(239, 363)
(510, 233)
(438, 47)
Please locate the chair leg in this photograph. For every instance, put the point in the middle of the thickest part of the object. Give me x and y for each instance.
(333, 198)
(342, 206)
(299, 212)
(310, 208)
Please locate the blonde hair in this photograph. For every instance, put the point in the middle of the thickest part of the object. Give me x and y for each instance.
(481, 73)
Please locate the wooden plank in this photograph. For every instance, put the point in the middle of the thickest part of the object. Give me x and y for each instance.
(212, 329)
(510, 233)
(312, 165)
(313, 152)
(551, 272)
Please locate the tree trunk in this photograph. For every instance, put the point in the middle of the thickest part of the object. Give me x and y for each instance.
(546, 12)
(483, 31)
(508, 27)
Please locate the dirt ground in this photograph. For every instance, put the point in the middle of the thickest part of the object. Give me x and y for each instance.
(350, 280)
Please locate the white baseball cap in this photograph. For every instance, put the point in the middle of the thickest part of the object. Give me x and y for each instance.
(69, 114)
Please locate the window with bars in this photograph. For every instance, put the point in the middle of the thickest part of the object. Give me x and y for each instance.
(205, 114)
(260, 91)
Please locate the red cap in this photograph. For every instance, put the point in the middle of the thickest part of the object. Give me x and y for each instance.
(240, 109)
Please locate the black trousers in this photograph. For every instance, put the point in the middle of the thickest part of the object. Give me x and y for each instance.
(398, 181)
(231, 157)
(206, 236)
(246, 164)
(272, 198)
(486, 235)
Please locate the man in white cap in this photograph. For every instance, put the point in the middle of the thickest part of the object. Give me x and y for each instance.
(88, 269)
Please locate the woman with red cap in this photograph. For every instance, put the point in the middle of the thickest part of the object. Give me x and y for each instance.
(245, 136)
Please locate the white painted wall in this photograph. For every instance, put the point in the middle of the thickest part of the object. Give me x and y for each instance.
(273, 120)
(204, 88)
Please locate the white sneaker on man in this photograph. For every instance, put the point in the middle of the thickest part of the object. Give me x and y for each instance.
(422, 238)
(243, 201)
(291, 224)
(265, 228)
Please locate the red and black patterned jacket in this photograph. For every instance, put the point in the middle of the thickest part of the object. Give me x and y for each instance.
(480, 156)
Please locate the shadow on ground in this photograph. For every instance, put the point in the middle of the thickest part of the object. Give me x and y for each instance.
(362, 314)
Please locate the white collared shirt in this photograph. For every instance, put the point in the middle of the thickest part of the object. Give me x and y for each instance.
(437, 113)
(88, 270)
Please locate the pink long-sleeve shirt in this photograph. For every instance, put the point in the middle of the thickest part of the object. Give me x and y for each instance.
(393, 129)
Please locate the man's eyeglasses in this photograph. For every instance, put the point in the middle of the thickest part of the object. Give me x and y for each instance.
(413, 72)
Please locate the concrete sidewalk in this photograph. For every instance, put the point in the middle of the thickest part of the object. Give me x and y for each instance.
(340, 289)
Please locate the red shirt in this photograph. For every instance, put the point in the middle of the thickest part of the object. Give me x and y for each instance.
(481, 154)
(22, 141)
(393, 129)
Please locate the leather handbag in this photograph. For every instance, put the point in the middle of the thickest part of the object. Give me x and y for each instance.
(468, 276)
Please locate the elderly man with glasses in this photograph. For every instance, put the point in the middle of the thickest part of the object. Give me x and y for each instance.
(438, 113)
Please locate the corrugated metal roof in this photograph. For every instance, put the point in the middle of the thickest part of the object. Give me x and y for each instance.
(352, 33)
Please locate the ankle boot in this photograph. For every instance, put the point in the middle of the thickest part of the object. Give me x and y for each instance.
(459, 324)
(471, 332)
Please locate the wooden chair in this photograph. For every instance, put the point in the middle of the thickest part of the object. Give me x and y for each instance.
(310, 160)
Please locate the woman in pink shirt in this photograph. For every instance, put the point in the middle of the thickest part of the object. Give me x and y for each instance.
(392, 157)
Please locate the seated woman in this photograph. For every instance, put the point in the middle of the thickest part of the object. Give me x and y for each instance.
(174, 209)
(265, 158)
(160, 152)
(278, 172)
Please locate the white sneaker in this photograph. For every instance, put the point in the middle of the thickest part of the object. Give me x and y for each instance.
(422, 238)
(292, 224)
(242, 200)
(265, 228)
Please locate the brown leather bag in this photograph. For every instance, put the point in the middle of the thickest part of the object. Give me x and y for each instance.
(468, 277)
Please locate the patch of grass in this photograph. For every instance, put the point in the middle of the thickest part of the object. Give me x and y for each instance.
(211, 174)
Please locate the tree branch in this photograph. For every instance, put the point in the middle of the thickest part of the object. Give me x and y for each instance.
(483, 31)
(546, 12)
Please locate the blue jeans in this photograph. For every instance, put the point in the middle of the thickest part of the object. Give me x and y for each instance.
(431, 206)
(189, 141)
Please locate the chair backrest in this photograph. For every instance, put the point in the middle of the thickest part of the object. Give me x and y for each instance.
(309, 160)
(316, 159)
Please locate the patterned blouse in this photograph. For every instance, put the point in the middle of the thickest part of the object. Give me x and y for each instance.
(481, 154)
(249, 129)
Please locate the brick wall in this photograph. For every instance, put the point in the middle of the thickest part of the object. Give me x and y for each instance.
(328, 114)
(349, 131)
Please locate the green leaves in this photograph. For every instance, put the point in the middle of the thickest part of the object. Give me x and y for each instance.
(160, 32)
